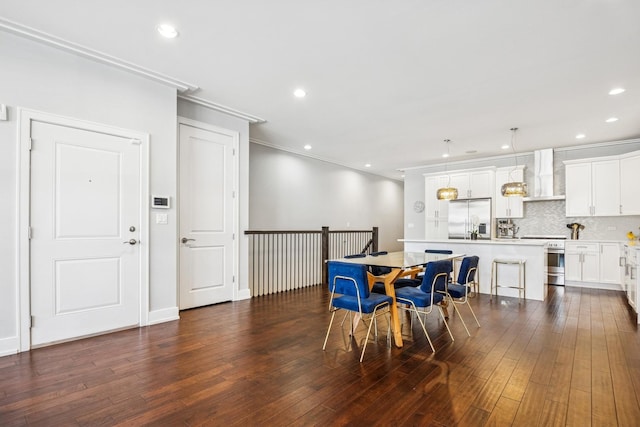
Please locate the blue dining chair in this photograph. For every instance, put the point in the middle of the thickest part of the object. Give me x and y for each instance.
(349, 288)
(438, 251)
(425, 296)
(377, 270)
(458, 292)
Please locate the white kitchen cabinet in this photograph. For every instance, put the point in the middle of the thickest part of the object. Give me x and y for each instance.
(582, 262)
(435, 211)
(592, 188)
(629, 175)
(631, 255)
(593, 262)
(631, 277)
(610, 268)
(508, 207)
(473, 183)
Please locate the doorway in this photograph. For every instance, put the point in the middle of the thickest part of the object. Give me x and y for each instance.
(208, 213)
(83, 229)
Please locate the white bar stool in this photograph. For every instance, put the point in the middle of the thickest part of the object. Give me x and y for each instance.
(521, 286)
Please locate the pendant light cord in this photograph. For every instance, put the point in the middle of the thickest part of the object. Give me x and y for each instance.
(513, 148)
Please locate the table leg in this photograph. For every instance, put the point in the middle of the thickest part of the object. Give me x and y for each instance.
(396, 327)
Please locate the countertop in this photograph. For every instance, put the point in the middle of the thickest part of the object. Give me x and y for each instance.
(518, 242)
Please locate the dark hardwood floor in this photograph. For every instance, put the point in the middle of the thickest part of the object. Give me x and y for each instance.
(572, 360)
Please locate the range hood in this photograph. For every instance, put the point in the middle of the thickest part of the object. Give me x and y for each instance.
(542, 177)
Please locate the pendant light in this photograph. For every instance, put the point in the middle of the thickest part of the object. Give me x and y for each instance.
(447, 193)
(514, 188)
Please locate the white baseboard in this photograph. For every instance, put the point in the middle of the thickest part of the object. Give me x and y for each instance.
(243, 294)
(9, 346)
(589, 285)
(164, 315)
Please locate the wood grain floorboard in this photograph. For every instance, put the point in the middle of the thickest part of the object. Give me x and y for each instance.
(572, 360)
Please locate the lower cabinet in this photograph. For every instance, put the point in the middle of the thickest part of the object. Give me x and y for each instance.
(611, 270)
(593, 262)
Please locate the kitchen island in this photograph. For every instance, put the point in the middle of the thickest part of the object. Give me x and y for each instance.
(533, 251)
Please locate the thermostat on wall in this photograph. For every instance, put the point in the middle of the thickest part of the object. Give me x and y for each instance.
(160, 202)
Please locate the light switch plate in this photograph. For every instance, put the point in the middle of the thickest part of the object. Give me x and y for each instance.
(162, 218)
(3, 112)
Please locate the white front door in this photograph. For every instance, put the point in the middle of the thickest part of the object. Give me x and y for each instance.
(85, 215)
(207, 214)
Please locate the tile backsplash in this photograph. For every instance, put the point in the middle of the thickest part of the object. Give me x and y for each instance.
(548, 217)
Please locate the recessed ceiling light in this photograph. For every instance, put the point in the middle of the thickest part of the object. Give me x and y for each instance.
(611, 119)
(580, 136)
(505, 147)
(445, 155)
(168, 31)
(368, 165)
(616, 91)
(307, 147)
(299, 93)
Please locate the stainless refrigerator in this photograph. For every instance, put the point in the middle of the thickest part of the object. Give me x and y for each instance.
(465, 216)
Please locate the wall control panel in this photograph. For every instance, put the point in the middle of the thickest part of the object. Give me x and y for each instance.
(160, 202)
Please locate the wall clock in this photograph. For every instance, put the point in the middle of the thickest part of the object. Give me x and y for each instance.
(418, 206)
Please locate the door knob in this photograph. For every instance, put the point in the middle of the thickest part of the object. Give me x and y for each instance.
(130, 241)
(185, 240)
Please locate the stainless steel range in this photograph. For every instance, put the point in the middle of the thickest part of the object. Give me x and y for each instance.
(555, 257)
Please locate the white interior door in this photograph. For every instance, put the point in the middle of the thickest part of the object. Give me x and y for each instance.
(207, 215)
(85, 223)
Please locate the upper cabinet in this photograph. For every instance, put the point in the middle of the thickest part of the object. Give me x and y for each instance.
(473, 184)
(629, 173)
(592, 187)
(508, 207)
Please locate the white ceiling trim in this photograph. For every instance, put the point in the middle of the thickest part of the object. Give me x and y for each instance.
(223, 109)
(56, 42)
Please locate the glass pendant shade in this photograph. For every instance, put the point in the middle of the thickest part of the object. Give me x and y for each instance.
(514, 189)
(447, 193)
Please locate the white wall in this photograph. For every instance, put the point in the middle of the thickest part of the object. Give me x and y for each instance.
(293, 192)
(41, 78)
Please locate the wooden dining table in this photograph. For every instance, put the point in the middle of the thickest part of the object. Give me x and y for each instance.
(401, 263)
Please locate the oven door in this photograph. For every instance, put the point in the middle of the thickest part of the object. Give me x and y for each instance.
(555, 267)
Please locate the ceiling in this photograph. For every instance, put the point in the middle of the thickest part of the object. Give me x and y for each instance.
(386, 82)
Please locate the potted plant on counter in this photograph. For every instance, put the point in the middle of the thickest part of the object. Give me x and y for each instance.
(474, 227)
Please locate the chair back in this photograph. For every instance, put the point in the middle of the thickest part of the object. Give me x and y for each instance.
(376, 270)
(438, 251)
(468, 269)
(348, 279)
(355, 256)
(436, 276)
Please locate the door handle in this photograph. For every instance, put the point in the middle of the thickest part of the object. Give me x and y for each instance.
(185, 240)
(130, 241)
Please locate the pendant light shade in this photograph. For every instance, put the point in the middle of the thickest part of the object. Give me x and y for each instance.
(514, 188)
(447, 193)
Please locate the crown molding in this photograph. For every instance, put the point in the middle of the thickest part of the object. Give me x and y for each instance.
(223, 109)
(67, 46)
